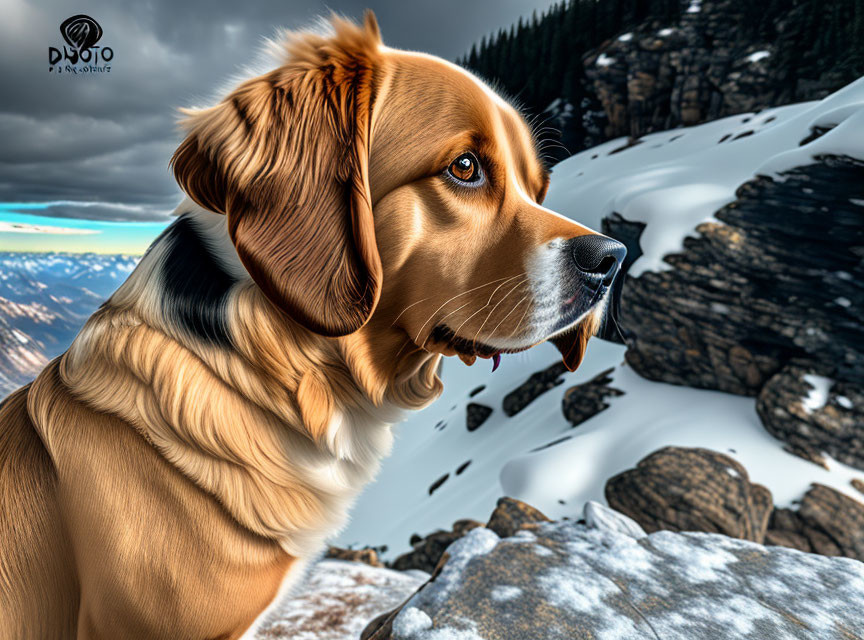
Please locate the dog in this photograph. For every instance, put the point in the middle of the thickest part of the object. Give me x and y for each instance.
(352, 216)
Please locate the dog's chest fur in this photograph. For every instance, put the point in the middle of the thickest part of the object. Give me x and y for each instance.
(265, 418)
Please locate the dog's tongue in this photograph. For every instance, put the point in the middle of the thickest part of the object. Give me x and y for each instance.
(572, 345)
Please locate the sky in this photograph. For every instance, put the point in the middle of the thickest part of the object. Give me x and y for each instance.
(84, 158)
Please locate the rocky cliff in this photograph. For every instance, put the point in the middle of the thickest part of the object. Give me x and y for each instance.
(659, 75)
(767, 301)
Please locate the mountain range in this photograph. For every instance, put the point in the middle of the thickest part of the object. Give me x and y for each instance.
(45, 298)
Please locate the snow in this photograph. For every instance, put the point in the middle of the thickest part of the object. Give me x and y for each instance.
(695, 6)
(502, 593)
(411, 621)
(818, 394)
(668, 31)
(627, 37)
(680, 178)
(844, 402)
(653, 415)
(598, 516)
(843, 302)
(759, 55)
(604, 61)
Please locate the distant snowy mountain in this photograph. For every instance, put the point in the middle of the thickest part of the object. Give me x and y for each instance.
(44, 300)
(441, 471)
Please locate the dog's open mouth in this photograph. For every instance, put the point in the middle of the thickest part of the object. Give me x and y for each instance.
(468, 350)
(575, 325)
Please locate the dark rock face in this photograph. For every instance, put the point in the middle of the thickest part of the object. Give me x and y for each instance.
(681, 489)
(779, 283)
(663, 76)
(586, 400)
(476, 414)
(512, 515)
(834, 427)
(535, 386)
(427, 551)
(827, 522)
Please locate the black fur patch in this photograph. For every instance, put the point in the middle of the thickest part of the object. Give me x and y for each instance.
(195, 285)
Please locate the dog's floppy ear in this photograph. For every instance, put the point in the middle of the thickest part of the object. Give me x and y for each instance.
(285, 156)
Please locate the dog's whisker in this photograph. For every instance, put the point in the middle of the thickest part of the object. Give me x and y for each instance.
(509, 313)
(432, 315)
(402, 348)
(519, 324)
(488, 302)
(469, 318)
(456, 310)
(618, 328)
(489, 315)
(413, 304)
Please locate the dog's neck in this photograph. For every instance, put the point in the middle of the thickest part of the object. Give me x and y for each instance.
(282, 425)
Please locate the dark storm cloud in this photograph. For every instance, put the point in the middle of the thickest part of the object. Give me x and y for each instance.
(107, 138)
(106, 211)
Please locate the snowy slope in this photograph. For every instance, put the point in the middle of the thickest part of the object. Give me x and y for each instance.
(679, 178)
(561, 478)
(672, 181)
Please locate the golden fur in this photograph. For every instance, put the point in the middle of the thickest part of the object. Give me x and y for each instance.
(157, 484)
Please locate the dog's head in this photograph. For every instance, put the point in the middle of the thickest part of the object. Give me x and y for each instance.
(364, 183)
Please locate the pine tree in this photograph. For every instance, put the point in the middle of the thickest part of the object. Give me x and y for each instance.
(540, 59)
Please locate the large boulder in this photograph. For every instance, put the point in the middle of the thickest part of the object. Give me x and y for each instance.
(679, 489)
(682, 489)
(567, 580)
(826, 522)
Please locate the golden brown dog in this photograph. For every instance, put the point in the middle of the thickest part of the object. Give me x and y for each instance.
(353, 215)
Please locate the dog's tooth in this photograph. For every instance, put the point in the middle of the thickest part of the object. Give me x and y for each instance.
(496, 360)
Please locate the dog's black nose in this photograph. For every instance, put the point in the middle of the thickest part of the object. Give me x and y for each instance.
(598, 256)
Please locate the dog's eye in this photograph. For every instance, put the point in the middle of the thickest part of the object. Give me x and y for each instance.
(465, 168)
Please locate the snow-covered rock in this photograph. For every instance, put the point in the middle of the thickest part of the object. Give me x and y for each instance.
(573, 581)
